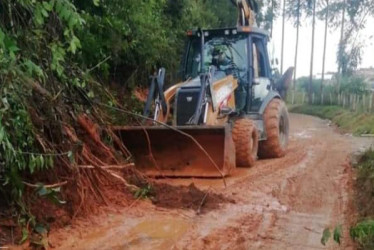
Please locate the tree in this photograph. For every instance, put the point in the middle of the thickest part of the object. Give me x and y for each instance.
(283, 21)
(350, 17)
(295, 10)
(324, 48)
(298, 12)
(312, 2)
(341, 45)
(267, 13)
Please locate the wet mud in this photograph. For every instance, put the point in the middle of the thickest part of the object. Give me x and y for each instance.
(281, 203)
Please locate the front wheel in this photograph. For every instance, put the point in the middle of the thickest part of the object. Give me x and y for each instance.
(245, 138)
(277, 130)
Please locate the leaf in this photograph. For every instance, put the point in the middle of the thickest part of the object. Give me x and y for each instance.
(96, 2)
(74, 44)
(40, 229)
(325, 236)
(47, 6)
(2, 134)
(32, 164)
(71, 157)
(2, 37)
(41, 161)
(44, 13)
(50, 161)
(32, 68)
(337, 234)
(43, 191)
(56, 190)
(91, 94)
(25, 235)
(56, 200)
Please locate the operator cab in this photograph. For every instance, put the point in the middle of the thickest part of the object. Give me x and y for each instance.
(231, 51)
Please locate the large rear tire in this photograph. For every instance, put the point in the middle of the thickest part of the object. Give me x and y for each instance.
(244, 134)
(277, 130)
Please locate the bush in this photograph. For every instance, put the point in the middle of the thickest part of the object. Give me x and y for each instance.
(363, 231)
(354, 122)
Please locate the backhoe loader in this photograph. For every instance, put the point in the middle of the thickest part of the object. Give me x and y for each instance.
(227, 111)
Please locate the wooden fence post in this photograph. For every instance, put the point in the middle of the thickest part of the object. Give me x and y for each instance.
(330, 99)
(293, 96)
(350, 101)
(363, 102)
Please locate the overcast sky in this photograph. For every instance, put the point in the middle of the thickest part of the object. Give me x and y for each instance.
(305, 47)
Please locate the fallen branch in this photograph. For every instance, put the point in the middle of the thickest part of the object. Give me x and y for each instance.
(46, 186)
(150, 148)
(107, 166)
(132, 187)
(202, 202)
(38, 88)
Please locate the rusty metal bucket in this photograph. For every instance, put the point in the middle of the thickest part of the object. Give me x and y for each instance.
(178, 155)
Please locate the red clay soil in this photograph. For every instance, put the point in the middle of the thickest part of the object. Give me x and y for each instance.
(283, 203)
(187, 197)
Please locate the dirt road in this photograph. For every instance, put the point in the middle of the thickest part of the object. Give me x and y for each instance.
(277, 204)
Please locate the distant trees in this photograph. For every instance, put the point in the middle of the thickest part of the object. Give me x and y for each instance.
(350, 17)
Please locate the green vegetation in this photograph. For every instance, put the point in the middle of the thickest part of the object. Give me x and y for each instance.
(57, 56)
(348, 85)
(363, 231)
(60, 59)
(349, 121)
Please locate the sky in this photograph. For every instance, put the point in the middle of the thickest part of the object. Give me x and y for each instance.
(305, 37)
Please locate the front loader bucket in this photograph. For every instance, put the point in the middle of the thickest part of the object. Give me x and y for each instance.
(175, 154)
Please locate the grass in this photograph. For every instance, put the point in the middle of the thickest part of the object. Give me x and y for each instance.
(354, 122)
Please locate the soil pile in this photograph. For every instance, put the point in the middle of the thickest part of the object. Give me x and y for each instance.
(187, 197)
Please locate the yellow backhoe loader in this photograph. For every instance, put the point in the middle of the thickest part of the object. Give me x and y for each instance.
(227, 111)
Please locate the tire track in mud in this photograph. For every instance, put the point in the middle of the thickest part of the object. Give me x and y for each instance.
(308, 183)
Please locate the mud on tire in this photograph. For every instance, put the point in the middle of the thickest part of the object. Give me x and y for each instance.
(244, 134)
(276, 125)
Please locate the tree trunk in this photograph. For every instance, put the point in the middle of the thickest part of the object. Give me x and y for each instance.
(272, 18)
(324, 46)
(341, 45)
(283, 20)
(296, 49)
(312, 55)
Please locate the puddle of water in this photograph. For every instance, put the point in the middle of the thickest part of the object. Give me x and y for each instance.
(155, 234)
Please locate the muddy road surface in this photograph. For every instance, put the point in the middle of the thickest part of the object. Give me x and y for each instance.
(277, 204)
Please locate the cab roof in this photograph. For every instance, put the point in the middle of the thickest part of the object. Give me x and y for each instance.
(228, 31)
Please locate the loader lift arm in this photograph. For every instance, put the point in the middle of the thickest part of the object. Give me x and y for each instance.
(246, 12)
